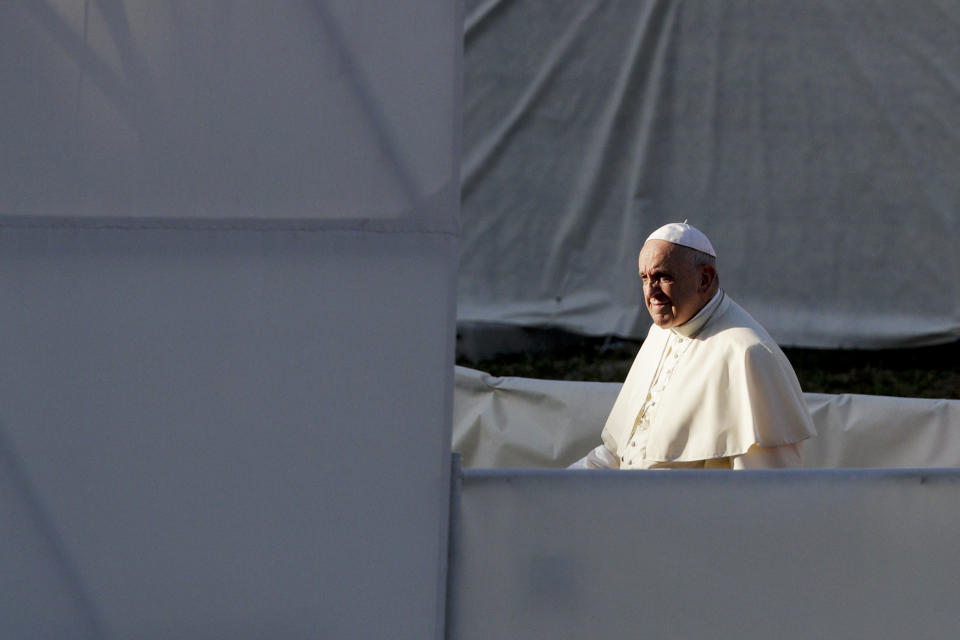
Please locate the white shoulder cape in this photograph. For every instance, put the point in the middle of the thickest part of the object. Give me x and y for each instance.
(733, 388)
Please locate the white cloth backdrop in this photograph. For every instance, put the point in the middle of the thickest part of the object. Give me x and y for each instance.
(522, 422)
(228, 244)
(752, 555)
(816, 143)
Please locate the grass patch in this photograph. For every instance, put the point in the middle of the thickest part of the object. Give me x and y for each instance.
(926, 372)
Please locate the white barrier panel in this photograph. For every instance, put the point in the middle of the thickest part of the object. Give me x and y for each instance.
(522, 422)
(705, 554)
(228, 249)
(189, 425)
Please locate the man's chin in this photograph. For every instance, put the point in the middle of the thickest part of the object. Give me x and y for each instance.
(664, 322)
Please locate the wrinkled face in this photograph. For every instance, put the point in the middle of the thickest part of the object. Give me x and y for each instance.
(671, 283)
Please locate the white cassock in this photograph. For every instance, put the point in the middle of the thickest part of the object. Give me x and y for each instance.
(715, 393)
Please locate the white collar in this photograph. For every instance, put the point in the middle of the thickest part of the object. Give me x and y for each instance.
(693, 326)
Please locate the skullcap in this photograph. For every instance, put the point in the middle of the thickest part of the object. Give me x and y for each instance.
(685, 235)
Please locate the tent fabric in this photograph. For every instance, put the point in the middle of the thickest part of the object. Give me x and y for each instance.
(521, 422)
(228, 114)
(815, 143)
(854, 553)
(223, 227)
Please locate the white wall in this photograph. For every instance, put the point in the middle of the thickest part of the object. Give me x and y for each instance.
(523, 422)
(680, 554)
(228, 242)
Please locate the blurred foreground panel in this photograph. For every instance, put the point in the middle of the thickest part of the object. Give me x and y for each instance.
(228, 245)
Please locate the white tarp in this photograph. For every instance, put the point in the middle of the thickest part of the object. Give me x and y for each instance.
(310, 110)
(816, 143)
(753, 555)
(223, 227)
(522, 422)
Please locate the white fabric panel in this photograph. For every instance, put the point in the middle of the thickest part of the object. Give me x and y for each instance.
(522, 422)
(877, 431)
(228, 248)
(205, 441)
(40, 597)
(306, 109)
(706, 554)
(816, 145)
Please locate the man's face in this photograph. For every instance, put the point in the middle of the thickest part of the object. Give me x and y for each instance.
(670, 284)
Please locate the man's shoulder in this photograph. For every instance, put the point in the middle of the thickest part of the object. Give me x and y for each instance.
(734, 328)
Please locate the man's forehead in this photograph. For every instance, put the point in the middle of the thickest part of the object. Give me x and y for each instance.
(657, 253)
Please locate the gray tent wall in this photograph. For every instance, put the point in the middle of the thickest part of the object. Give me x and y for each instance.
(845, 553)
(228, 235)
(816, 143)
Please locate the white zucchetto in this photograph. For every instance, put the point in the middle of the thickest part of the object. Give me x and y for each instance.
(685, 235)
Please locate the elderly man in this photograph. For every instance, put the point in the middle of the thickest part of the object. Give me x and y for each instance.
(709, 388)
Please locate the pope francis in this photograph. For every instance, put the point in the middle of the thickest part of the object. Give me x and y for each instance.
(709, 388)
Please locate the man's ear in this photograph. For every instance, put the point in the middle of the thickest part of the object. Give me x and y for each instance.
(707, 276)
